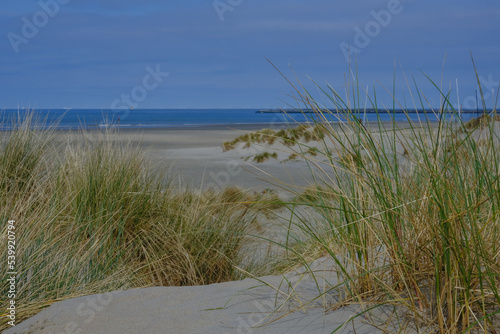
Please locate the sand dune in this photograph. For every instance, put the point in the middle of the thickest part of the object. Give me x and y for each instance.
(248, 306)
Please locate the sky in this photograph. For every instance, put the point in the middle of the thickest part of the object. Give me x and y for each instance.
(232, 53)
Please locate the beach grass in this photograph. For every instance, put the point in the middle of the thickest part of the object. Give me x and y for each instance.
(409, 214)
(264, 156)
(94, 216)
(288, 137)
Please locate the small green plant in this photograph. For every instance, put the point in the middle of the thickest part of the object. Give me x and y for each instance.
(291, 157)
(267, 136)
(262, 157)
(289, 137)
(227, 146)
(481, 122)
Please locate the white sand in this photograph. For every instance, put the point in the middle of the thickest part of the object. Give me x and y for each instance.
(235, 307)
(194, 157)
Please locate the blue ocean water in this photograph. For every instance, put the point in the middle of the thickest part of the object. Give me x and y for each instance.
(156, 118)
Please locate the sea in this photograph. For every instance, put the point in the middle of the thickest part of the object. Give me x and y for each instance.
(192, 118)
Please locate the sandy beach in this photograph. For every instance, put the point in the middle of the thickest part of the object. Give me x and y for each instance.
(271, 305)
(194, 157)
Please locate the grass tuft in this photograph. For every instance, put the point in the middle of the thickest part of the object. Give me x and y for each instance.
(262, 157)
(94, 217)
(409, 214)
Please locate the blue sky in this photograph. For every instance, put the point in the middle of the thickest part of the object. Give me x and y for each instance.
(88, 54)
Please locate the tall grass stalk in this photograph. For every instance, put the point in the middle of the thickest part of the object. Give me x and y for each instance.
(411, 214)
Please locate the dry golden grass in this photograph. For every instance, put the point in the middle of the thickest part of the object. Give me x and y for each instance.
(418, 230)
(289, 136)
(94, 217)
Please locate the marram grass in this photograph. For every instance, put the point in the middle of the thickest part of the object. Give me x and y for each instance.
(94, 217)
(408, 213)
